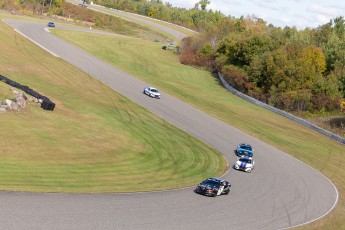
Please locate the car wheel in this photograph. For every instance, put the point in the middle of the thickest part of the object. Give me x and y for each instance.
(249, 170)
(227, 192)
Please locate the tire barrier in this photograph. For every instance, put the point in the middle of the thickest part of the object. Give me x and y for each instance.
(301, 121)
(46, 104)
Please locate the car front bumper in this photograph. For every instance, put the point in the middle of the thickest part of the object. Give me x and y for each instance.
(206, 192)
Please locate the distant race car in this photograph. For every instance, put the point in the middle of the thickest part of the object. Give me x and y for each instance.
(244, 150)
(51, 24)
(245, 163)
(213, 187)
(152, 92)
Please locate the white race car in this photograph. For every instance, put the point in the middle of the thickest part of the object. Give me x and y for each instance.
(245, 163)
(152, 92)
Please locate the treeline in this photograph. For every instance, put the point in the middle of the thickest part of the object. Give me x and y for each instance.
(290, 69)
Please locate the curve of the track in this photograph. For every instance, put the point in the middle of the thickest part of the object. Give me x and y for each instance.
(281, 192)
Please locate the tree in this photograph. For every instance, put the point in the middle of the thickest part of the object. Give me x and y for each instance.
(236, 77)
(241, 49)
(204, 3)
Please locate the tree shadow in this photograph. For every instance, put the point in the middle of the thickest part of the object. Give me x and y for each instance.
(337, 122)
(216, 78)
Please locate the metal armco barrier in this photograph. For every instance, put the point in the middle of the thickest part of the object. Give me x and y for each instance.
(47, 104)
(301, 121)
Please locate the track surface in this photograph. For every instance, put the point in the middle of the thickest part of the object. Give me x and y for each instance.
(280, 193)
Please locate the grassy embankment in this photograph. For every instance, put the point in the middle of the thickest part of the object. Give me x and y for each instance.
(5, 91)
(127, 16)
(161, 68)
(95, 140)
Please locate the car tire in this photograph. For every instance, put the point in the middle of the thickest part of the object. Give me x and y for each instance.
(227, 192)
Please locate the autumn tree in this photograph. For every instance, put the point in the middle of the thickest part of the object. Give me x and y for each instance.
(204, 3)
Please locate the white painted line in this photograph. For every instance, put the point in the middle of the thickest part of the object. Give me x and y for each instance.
(52, 53)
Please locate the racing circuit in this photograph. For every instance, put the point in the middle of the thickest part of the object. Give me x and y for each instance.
(279, 195)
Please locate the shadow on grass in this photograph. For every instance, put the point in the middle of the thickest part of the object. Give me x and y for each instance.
(337, 122)
(216, 78)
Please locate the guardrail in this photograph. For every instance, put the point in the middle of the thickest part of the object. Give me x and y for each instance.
(301, 121)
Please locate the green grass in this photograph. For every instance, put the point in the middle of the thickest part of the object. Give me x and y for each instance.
(5, 91)
(161, 68)
(172, 26)
(95, 140)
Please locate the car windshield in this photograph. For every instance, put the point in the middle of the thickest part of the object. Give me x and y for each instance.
(247, 147)
(245, 160)
(154, 90)
(211, 182)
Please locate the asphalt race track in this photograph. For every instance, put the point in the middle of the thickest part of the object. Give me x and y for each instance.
(282, 194)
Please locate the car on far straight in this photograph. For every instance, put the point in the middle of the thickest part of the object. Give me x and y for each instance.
(51, 24)
(245, 163)
(213, 187)
(152, 92)
(244, 150)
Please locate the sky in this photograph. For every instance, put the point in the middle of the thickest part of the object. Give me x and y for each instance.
(298, 13)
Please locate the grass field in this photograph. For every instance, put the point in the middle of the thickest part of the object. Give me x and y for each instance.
(124, 16)
(5, 92)
(203, 90)
(95, 140)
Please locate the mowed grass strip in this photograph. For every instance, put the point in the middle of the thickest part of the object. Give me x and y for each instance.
(162, 69)
(130, 16)
(95, 140)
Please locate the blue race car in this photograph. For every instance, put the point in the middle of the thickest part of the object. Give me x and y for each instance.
(51, 24)
(244, 150)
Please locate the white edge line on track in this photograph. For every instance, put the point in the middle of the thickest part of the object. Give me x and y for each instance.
(52, 53)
